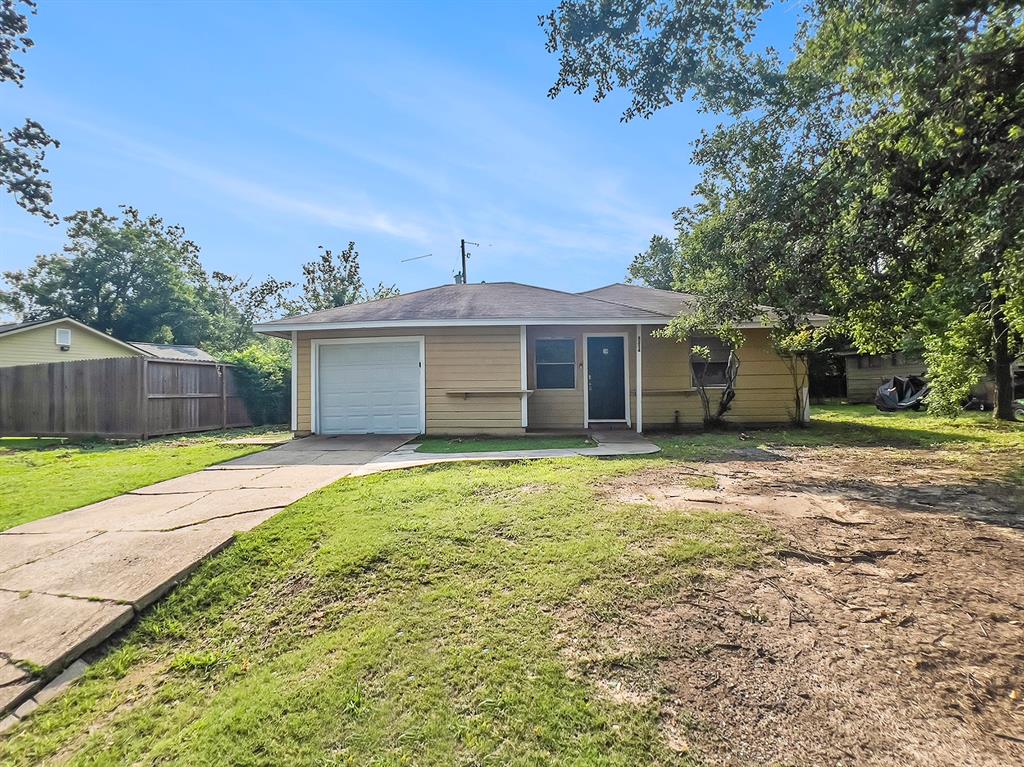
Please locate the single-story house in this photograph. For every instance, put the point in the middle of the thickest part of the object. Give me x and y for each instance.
(504, 358)
(67, 340)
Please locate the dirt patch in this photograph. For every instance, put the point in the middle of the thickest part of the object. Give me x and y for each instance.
(887, 627)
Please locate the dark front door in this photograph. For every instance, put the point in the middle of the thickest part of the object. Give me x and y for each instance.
(606, 378)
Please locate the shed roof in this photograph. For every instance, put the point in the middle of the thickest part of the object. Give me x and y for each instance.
(181, 352)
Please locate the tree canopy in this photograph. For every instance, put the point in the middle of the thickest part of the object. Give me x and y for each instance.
(875, 174)
(22, 149)
(335, 280)
(139, 279)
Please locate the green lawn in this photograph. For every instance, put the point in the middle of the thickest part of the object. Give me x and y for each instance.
(489, 444)
(858, 425)
(38, 480)
(404, 618)
(422, 617)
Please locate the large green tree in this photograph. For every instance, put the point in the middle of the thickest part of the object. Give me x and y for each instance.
(875, 173)
(140, 279)
(22, 149)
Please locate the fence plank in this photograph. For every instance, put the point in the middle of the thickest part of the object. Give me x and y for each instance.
(120, 397)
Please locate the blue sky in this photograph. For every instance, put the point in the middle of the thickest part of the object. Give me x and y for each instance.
(269, 129)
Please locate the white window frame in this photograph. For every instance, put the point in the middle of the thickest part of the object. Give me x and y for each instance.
(536, 364)
(57, 334)
(314, 372)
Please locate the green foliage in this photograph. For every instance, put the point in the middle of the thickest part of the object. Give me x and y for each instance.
(22, 149)
(263, 371)
(140, 279)
(335, 280)
(956, 362)
(655, 266)
(876, 176)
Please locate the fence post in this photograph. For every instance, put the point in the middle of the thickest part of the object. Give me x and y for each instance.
(144, 396)
(223, 396)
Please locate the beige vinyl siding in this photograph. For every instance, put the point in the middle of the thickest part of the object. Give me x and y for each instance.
(863, 382)
(38, 344)
(457, 360)
(563, 408)
(764, 385)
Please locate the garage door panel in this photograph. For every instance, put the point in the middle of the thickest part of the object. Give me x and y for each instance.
(370, 387)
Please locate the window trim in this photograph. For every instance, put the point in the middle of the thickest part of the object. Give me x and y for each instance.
(694, 383)
(537, 363)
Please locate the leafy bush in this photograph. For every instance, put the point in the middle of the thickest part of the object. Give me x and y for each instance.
(263, 373)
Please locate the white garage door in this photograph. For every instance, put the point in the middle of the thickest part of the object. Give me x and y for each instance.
(369, 388)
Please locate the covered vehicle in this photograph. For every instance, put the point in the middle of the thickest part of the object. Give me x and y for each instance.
(901, 394)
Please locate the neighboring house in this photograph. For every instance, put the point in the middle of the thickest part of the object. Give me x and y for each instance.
(67, 340)
(501, 358)
(866, 372)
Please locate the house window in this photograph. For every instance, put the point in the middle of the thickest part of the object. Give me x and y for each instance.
(715, 369)
(63, 337)
(556, 363)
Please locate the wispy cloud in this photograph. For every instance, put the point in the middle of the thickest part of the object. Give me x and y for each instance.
(347, 211)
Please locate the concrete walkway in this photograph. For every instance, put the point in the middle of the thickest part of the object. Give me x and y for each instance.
(609, 444)
(70, 581)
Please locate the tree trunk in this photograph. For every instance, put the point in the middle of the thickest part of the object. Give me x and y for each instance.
(1002, 361)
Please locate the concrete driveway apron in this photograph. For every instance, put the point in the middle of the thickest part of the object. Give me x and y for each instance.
(68, 582)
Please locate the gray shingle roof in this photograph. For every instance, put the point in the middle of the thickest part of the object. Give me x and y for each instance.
(510, 302)
(18, 325)
(652, 299)
(484, 301)
(663, 301)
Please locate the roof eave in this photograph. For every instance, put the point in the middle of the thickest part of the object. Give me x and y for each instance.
(284, 330)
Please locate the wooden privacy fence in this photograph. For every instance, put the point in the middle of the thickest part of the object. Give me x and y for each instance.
(125, 397)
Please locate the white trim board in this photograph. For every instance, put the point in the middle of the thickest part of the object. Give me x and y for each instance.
(587, 420)
(295, 381)
(525, 418)
(314, 372)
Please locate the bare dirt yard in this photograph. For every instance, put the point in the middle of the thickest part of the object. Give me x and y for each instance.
(884, 626)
